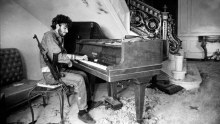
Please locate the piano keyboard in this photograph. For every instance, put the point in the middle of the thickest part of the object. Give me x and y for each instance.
(94, 64)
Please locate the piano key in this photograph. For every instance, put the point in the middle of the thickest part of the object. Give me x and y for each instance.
(94, 64)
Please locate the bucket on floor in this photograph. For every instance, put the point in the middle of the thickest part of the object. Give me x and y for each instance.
(179, 75)
(179, 63)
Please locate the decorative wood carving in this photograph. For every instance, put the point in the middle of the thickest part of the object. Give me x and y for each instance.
(145, 20)
(151, 23)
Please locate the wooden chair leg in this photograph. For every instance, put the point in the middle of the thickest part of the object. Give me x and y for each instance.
(67, 98)
(44, 100)
(30, 106)
(68, 94)
(61, 98)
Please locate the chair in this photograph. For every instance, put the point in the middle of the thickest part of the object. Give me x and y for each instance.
(2, 108)
(14, 83)
(59, 86)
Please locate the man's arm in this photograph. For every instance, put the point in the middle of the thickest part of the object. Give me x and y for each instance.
(51, 42)
(77, 57)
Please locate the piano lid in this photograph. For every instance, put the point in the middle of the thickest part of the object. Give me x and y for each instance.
(82, 30)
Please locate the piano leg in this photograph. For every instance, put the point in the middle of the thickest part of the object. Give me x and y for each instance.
(112, 100)
(140, 86)
(112, 89)
(91, 86)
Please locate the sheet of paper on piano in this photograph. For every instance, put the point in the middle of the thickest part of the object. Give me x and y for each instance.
(114, 43)
(94, 64)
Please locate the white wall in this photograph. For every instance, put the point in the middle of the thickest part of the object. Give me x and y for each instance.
(197, 18)
(78, 10)
(17, 31)
(21, 19)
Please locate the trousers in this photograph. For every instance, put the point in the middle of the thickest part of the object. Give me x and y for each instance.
(77, 80)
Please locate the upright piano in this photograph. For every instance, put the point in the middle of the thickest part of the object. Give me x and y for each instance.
(113, 60)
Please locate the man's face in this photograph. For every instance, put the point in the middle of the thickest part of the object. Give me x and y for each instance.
(63, 30)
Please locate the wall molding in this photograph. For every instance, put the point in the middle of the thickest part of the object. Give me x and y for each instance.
(195, 18)
(189, 24)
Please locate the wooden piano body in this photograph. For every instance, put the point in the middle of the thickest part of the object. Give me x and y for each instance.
(127, 59)
(135, 59)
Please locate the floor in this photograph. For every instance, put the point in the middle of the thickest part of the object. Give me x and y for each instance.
(196, 106)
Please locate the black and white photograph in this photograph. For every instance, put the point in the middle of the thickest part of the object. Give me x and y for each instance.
(109, 62)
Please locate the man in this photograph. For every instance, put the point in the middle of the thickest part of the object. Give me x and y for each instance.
(52, 42)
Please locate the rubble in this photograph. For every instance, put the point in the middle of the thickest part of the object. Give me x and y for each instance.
(127, 114)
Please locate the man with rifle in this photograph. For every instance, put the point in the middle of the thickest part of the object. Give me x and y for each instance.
(52, 42)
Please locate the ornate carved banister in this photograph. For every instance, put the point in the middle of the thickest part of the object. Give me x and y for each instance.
(151, 23)
(174, 42)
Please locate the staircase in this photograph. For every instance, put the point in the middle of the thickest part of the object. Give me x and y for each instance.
(153, 24)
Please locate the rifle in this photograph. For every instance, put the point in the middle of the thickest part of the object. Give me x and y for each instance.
(53, 68)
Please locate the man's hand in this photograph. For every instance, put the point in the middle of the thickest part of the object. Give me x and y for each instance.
(68, 62)
(85, 57)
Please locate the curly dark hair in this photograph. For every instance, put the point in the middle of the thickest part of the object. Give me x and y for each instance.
(61, 19)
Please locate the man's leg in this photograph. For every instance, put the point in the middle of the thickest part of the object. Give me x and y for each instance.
(88, 84)
(77, 81)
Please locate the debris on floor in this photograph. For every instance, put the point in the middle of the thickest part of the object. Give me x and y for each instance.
(195, 105)
(127, 114)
